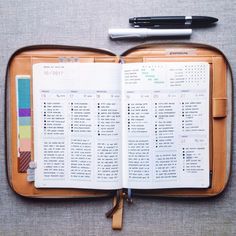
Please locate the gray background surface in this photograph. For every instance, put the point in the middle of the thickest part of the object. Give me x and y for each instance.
(85, 23)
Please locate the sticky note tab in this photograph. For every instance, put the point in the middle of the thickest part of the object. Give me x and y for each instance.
(25, 145)
(25, 132)
(24, 112)
(24, 160)
(23, 84)
(24, 120)
(24, 93)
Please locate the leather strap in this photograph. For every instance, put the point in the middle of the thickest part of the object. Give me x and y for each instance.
(116, 213)
(219, 124)
(117, 218)
(219, 107)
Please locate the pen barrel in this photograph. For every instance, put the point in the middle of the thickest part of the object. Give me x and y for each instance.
(143, 33)
(171, 21)
(161, 20)
(168, 32)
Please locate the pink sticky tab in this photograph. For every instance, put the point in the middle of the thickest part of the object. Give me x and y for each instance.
(25, 145)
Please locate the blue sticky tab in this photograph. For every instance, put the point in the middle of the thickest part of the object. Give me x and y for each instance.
(24, 93)
(24, 121)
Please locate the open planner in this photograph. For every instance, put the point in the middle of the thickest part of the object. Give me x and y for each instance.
(83, 122)
(112, 126)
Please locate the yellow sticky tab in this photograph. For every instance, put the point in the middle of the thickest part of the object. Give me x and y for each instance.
(25, 131)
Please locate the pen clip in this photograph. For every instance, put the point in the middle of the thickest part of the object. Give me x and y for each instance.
(151, 26)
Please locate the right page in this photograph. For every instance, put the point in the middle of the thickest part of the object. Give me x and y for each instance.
(165, 125)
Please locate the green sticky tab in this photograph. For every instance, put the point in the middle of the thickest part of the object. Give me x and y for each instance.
(25, 131)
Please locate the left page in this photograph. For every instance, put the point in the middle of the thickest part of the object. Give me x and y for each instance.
(77, 125)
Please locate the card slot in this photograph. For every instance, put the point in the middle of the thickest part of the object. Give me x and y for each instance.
(81, 52)
(60, 59)
(74, 59)
(166, 51)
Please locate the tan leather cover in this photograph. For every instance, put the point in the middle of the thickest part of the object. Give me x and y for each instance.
(218, 108)
(117, 218)
(21, 63)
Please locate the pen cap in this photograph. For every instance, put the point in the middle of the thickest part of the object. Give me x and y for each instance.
(203, 20)
(160, 20)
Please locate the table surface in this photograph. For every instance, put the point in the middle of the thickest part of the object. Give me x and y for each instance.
(85, 23)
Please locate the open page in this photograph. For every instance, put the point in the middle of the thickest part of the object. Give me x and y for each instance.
(77, 125)
(165, 109)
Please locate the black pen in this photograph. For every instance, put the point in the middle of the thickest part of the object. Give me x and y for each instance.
(159, 21)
